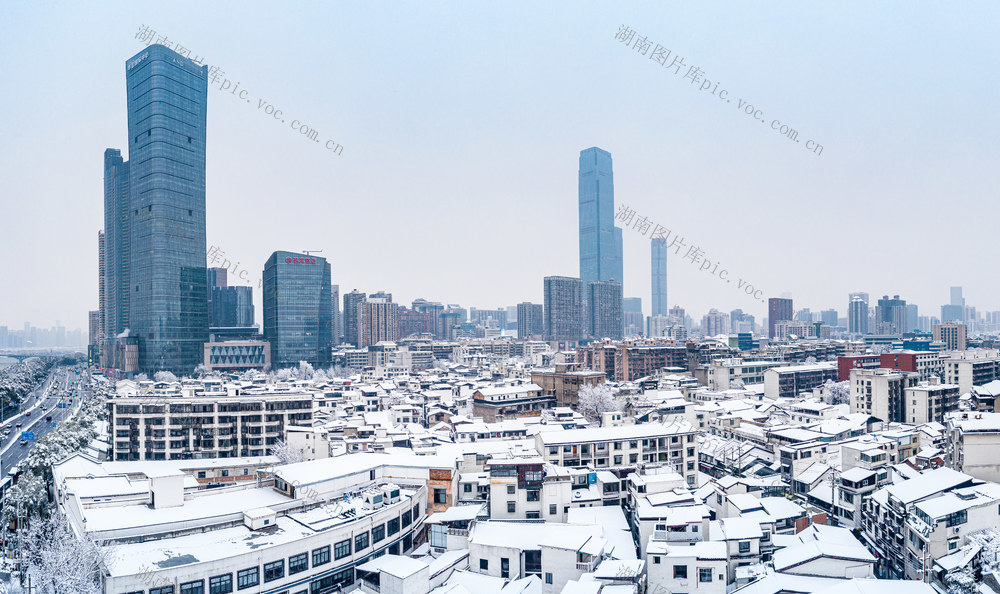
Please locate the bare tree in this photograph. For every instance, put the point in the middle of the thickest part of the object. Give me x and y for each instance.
(596, 400)
(286, 454)
(58, 561)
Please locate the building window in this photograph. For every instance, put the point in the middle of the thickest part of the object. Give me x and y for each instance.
(533, 495)
(467, 487)
(484, 565)
(220, 584)
(548, 577)
(197, 587)
(680, 572)
(225, 473)
(298, 563)
(511, 489)
(361, 541)
(163, 590)
(247, 578)
(511, 507)
(406, 518)
(393, 526)
(533, 515)
(342, 549)
(274, 570)
(378, 533)
(321, 556)
(440, 496)
(744, 546)
(552, 509)
(704, 575)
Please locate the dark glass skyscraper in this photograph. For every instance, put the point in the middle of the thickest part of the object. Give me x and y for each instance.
(232, 307)
(168, 299)
(600, 240)
(658, 261)
(117, 241)
(298, 309)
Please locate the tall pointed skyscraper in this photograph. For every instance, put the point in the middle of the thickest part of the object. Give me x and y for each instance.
(168, 302)
(658, 264)
(600, 240)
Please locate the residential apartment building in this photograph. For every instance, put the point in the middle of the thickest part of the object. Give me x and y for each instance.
(565, 381)
(929, 402)
(951, 335)
(673, 444)
(881, 393)
(972, 442)
(200, 425)
(510, 402)
(782, 382)
(972, 368)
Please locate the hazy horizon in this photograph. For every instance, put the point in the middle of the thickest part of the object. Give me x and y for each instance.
(462, 123)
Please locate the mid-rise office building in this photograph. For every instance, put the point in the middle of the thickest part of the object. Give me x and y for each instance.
(600, 240)
(604, 310)
(530, 320)
(563, 308)
(298, 309)
(778, 309)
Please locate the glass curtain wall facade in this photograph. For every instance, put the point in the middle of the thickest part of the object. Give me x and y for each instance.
(168, 305)
(298, 309)
(600, 240)
(658, 259)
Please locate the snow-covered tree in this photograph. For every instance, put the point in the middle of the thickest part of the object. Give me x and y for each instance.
(141, 377)
(837, 392)
(305, 371)
(810, 360)
(737, 384)
(27, 498)
(283, 375)
(878, 349)
(597, 400)
(201, 370)
(164, 376)
(58, 561)
(286, 454)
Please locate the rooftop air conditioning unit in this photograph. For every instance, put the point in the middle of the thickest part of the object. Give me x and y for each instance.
(373, 498)
(390, 494)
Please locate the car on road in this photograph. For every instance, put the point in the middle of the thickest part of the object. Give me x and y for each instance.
(27, 414)
(24, 442)
(19, 425)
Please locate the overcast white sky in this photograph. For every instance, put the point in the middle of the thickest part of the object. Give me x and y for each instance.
(462, 123)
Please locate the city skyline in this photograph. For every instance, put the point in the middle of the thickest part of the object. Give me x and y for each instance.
(248, 153)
